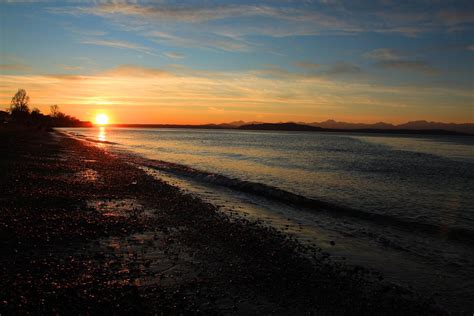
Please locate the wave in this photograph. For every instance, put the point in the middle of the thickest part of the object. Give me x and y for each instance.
(100, 141)
(84, 137)
(309, 204)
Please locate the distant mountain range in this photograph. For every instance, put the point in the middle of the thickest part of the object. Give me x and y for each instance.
(414, 127)
(331, 124)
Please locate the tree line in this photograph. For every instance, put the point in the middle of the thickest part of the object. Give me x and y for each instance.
(19, 113)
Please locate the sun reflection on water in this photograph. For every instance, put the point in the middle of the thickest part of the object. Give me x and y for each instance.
(102, 134)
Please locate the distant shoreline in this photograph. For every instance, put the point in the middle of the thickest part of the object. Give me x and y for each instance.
(293, 127)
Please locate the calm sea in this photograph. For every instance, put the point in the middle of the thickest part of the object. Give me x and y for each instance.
(394, 202)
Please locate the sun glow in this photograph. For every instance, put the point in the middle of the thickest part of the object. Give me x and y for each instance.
(101, 119)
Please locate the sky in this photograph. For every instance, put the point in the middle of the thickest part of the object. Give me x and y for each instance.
(195, 62)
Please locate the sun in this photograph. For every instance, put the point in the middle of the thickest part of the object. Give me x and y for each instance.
(101, 119)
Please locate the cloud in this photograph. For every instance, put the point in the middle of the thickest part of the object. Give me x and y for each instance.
(312, 71)
(174, 55)
(277, 21)
(343, 68)
(412, 20)
(191, 14)
(336, 17)
(84, 31)
(385, 54)
(117, 44)
(273, 71)
(67, 67)
(388, 58)
(14, 67)
(66, 77)
(199, 40)
(456, 17)
(215, 109)
(293, 16)
(409, 65)
(136, 71)
(307, 65)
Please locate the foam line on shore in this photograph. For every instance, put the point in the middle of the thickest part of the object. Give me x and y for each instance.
(309, 204)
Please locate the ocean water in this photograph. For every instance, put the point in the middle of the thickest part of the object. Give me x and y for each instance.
(400, 203)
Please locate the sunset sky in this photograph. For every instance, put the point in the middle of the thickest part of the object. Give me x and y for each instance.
(220, 61)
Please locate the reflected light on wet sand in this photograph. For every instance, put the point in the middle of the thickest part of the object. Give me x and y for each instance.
(102, 134)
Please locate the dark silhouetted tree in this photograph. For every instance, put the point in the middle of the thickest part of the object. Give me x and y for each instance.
(20, 113)
(19, 109)
(60, 119)
(38, 118)
(4, 116)
(54, 110)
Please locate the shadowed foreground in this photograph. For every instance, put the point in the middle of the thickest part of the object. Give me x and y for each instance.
(84, 231)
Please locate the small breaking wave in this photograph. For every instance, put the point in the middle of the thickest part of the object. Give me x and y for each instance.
(309, 204)
(84, 137)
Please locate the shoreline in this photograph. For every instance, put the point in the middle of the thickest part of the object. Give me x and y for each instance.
(78, 220)
(287, 127)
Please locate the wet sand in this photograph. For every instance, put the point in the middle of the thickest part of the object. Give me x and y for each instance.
(83, 231)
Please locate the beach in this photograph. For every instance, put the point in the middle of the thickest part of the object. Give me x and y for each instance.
(85, 231)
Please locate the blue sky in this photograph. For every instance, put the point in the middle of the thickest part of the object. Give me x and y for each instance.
(217, 61)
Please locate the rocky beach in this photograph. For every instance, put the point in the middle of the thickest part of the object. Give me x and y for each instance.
(83, 230)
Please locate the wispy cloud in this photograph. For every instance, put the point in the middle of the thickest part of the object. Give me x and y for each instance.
(174, 55)
(200, 40)
(343, 68)
(307, 65)
(409, 65)
(291, 20)
(14, 67)
(83, 31)
(310, 70)
(414, 22)
(136, 71)
(71, 68)
(385, 54)
(306, 18)
(182, 13)
(389, 58)
(117, 44)
(276, 72)
(456, 17)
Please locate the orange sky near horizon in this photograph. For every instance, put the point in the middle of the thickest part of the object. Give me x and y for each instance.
(152, 96)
